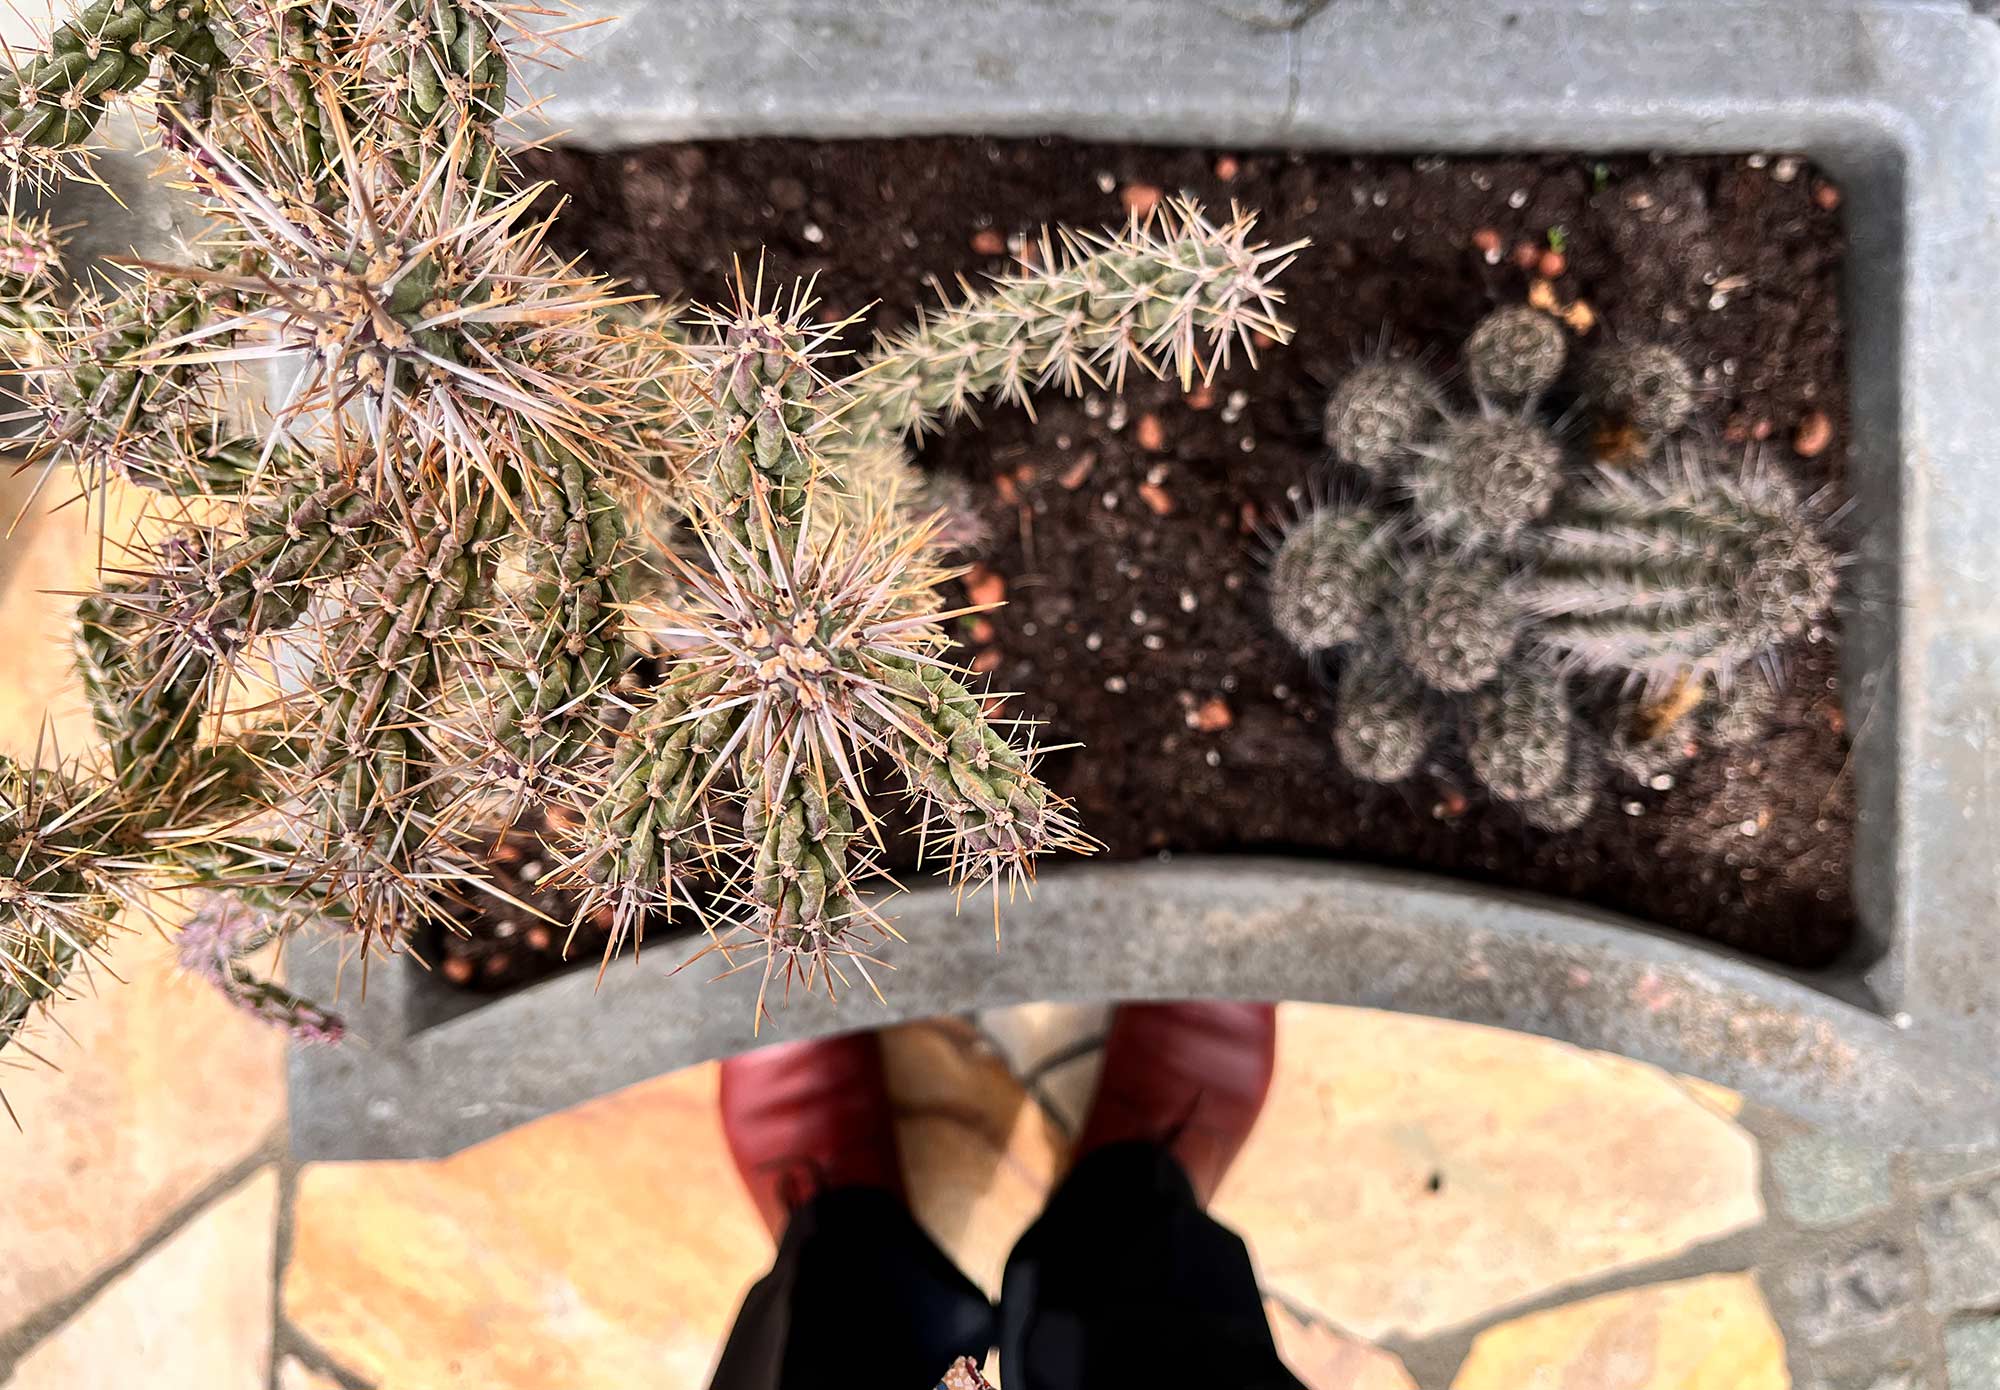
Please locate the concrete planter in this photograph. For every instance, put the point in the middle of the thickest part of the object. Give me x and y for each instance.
(1898, 99)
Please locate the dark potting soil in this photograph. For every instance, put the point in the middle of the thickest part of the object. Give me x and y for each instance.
(1130, 535)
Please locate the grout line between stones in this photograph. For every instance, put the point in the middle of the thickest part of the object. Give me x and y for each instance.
(313, 1356)
(1435, 1359)
(1062, 1057)
(38, 1325)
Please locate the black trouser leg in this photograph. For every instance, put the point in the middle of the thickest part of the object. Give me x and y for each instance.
(1126, 1281)
(859, 1295)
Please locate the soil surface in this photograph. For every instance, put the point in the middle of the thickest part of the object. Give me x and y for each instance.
(1130, 535)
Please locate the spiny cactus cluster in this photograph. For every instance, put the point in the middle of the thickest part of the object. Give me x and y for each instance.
(1561, 618)
(503, 539)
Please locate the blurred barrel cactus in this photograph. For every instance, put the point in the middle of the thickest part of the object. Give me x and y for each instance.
(509, 539)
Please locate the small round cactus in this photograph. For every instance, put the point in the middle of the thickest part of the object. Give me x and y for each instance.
(1378, 413)
(1740, 714)
(1644, 760)
(1329, 575)
(1565, 808)
(1515, 354)
(1457, 620)
(1381, 728)
(1644, 385)
(1519, 735)
(1486, 479)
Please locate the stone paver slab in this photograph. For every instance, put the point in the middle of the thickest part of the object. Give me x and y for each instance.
(157, 1088)
(1823, 1181)
(1457, 1170)
(1328, 1360)
(195, 1314)
(1960, 1233)
(1701, 1334)
(294, 1374)
(980, 1155)
(1972, 1355)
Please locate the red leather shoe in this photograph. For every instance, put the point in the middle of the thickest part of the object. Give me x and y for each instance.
(1189, 1076)
(803, 1118)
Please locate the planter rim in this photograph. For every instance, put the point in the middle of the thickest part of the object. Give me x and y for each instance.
(1252, 928)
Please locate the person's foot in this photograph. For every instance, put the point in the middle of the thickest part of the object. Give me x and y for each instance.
(803, 1118)
(1190, 1077)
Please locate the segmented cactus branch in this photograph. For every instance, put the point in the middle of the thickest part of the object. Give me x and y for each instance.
(1172, 295)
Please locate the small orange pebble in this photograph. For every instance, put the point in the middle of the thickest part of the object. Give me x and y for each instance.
(1003, 484)
(1450, 806)
(1542, 295)
(1248, 518)
(1486, 241)
(1077, 473)
(1150, 433)
(1227, 168)
(1212, 716)
(984, 586)
(1202, 397)
(538, 938)
(1826, 195)
(1815, 432)
(986, 662)
(1552, 265)
(1527, 255)
(1580, 317)
(458, 969)
(1140, 198)
(987, 242)
(1157, 499)
(982, 632)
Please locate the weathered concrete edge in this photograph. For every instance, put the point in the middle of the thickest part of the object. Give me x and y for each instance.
(1227, 928)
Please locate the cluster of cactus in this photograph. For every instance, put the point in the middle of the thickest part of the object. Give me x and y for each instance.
(1563, 616)
(500, 539)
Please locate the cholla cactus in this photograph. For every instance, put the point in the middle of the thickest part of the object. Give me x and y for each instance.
(506, 540)
(1682, 573)
(1329, 576)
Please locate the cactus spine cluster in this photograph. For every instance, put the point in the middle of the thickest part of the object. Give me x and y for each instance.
(509, 539)
(1572, 616)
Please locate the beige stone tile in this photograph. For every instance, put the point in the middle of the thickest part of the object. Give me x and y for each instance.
(1328, 1360)
(1551, 1165)
(1702, 1334)
(604, 1247)
(294, 1374)
(158, 1087)
(195, 1314)
(1030, 1035)
(610, 1246)
(980, 1155)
